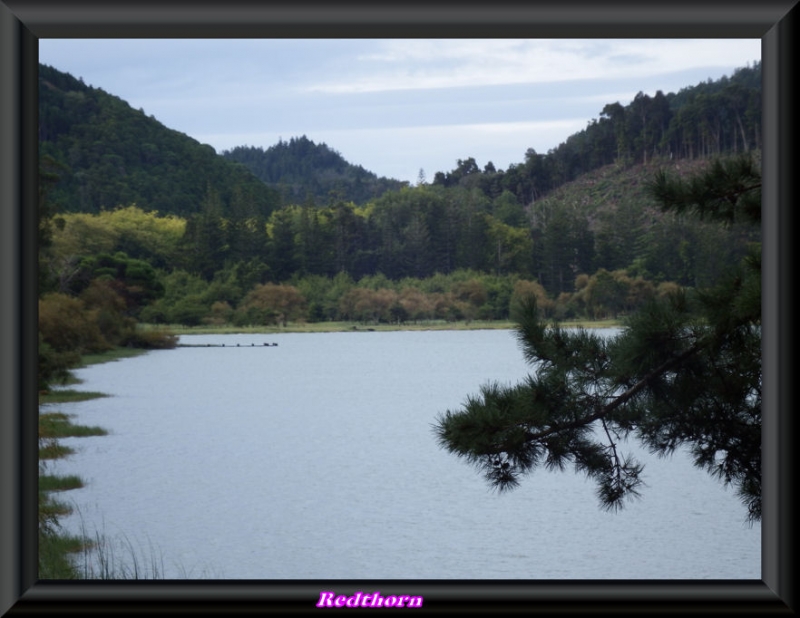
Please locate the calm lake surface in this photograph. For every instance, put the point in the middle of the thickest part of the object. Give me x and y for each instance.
(316, 459)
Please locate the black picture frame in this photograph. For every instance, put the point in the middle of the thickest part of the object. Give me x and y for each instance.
(24, 22)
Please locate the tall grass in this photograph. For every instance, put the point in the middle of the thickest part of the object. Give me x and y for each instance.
(58, 425)
(108, 557)
(55, 546)
(55, 551)
(50, 482)
(85, 556)
(52, 449)
(68, 396)
(63, 555)
(117, 558)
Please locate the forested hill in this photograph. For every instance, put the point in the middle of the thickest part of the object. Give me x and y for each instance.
(112, 155)
(712, 118)
(302, 170)
(107, 154)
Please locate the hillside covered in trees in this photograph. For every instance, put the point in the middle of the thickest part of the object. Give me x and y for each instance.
(113, 155)
(700, 121)
(107, 154)
(141, 223)
(303, 171)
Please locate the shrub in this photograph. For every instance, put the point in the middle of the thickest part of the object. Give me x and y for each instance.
(524, 289)
(103, 298)
(54, 366)
(271, 303)
(67, 326)
(189, 311)
(221, 313)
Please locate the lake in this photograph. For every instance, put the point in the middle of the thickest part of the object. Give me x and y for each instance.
(315, 459)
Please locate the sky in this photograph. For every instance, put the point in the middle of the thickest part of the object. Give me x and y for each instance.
(397, 107)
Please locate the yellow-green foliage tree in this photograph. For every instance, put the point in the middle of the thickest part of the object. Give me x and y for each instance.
(139, 234)
(510, 247)
(221, 313)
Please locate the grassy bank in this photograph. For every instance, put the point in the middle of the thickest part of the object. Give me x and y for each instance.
(338, 327)
(110, 356)
(63, 555)
(55, 546)
(67, 396)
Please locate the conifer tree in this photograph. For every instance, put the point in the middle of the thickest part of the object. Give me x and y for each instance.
(683, 372)
(204, 238)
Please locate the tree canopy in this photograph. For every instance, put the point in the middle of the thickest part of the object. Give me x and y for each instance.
(300, 169)
(112, 154)
(684, 371)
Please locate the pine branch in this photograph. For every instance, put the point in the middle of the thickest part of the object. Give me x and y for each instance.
(618, 401)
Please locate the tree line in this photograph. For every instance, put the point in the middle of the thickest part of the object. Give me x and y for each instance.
(171, 232)
(702, 121)
(423, 246)
(117, 155)
(602, 221)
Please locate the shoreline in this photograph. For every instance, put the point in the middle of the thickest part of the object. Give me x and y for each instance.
(338, 327)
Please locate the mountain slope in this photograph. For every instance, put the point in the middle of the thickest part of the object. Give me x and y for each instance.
(111, 155)
(301, 169)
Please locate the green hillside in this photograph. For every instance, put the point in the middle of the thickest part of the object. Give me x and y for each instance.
(605, 219)
(109, 154)
(131, 194)
(302, 170)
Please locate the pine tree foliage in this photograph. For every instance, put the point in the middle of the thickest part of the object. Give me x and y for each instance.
(729, 191)
(683, 372)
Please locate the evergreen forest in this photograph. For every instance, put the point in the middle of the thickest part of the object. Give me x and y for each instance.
(143, 224)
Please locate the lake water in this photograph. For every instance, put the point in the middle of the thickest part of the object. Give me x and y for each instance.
(315, 459)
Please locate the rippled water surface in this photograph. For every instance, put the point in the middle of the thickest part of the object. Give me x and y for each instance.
(315, 458)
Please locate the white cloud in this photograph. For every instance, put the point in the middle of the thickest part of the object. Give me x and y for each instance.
(428, 64)
(392, 105)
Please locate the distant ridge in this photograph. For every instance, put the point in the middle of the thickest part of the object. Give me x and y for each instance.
(302, 170)
(108, 154)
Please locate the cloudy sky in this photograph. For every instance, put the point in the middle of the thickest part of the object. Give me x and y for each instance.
(393, 106)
